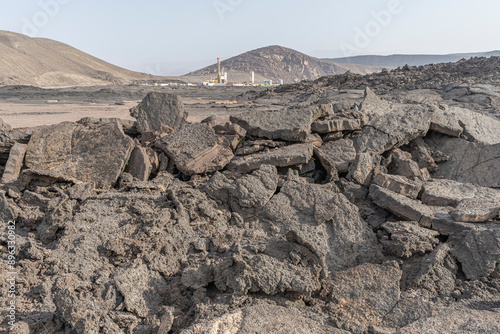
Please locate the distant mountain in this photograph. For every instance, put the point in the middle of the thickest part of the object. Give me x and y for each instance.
(412, 60)
(48, 63)
(277, 62)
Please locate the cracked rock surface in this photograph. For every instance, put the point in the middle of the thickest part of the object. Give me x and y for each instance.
(349, 204)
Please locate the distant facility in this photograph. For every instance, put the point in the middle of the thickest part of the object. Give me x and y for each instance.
(221, 79)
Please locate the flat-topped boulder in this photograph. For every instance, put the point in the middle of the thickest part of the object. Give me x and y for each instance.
(456, 121)
(289, 125)
(398, 184)
(98, 152)
(158, 110)
(196, 149)
(475, 163)
(291, 155)
(336, 125)
(442, 192)
(402, 206)
(395, 128)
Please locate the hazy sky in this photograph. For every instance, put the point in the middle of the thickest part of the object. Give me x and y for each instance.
(148, 35)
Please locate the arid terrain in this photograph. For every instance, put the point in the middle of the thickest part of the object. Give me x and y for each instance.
(348, 204)
(27, 106)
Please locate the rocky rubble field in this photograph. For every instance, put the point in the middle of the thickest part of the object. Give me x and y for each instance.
(317, 209)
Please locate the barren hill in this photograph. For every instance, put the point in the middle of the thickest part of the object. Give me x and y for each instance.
(412, 60)
(48, 63)
(277, 62)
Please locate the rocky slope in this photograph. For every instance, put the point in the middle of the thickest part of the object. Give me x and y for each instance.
(48, 63)
(277, 62)
(316, 210)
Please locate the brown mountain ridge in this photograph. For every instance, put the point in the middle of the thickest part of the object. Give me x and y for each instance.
(277, 62)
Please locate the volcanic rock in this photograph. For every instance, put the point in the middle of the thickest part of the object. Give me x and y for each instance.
(15, 163)
(336, 125)
(158, 110)
(325, 221)
(475, 126)
(366, 292)
(406, 239)
(437, 272)
(398, 184)
(363, 168)
(289, 125)
(393, 129)
(292, 155)
(402, 206)
(264, 317)
(98, 152)
(474, 163)
(373, 106)
(336, 155)
(196, 149)
(139, 165)
(479, 251)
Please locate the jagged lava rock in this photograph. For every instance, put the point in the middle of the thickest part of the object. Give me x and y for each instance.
(264, 317)
(366, 292)
(398, 184)
(157, 110)
(437, 272)
(336, 125)
(398, 127)
(337, 154)
(4, 126)
(402, 206)
(456, 321)
(475, 126)
(325, 221)
(406, 239)
(196, 149)
(373, 106)
(271, 266)
(291, 155)
(246, 195)
(289, 125)
(479, 251)
(475, 163)
(98, 152)
(14, 163)
(139, 165)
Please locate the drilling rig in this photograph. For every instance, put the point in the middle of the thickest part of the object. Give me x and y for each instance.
(220, 78)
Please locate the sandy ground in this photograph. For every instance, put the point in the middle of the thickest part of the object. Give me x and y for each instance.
(21, 115)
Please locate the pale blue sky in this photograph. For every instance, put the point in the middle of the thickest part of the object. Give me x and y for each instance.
(153, 33)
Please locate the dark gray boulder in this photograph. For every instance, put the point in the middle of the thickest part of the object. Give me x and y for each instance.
(14, 163)
(405, 239)
(479, 251)
(291, 155)
(325, 221)
(393, 129)
(289, 125)
(157, 110)
(98, 152)
(196, 149)
(475, 163)
(139, 165)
